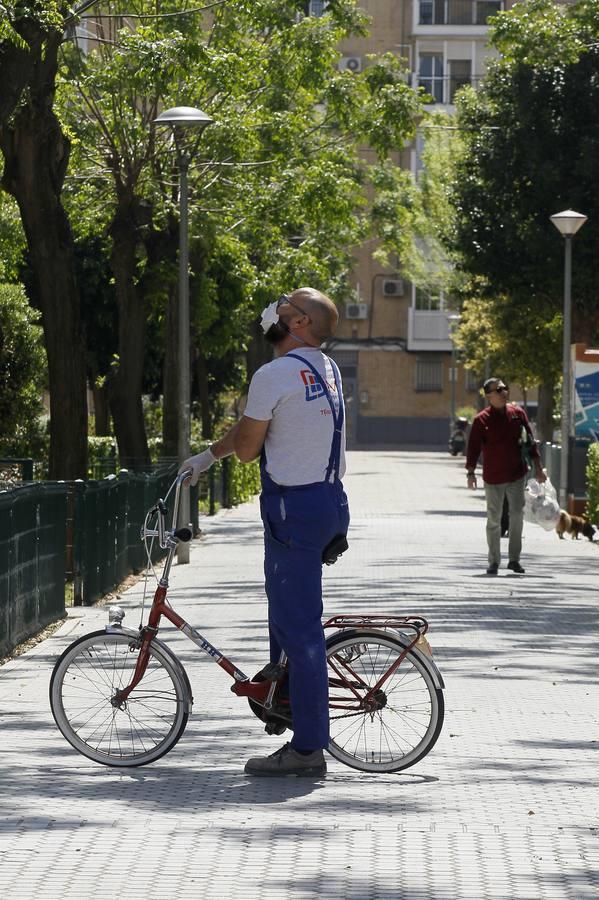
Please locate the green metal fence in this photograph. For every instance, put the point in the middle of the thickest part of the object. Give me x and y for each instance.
(32, 559)
(107, 517)
(88, 532)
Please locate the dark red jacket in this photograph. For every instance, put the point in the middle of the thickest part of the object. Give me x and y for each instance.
(498, 434)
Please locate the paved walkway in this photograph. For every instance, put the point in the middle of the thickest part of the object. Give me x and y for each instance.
(505, 807)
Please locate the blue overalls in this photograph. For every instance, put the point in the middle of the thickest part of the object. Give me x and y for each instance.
(299, 522)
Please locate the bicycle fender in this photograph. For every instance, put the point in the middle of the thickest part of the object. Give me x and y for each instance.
(424, 659)
(122, 629)
(399, 636)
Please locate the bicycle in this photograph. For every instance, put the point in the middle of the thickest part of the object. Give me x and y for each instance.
(122, 697)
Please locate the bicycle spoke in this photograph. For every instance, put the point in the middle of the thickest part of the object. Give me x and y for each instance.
(395, 720)
(141, 726)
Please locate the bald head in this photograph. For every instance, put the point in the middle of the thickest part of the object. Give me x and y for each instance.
(321, 310)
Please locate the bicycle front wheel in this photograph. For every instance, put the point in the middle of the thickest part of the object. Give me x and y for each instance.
(388, 729)
(143, 728)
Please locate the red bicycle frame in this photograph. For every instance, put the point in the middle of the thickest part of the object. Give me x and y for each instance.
(263, 691)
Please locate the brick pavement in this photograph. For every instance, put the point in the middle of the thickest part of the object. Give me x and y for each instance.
(505, 806)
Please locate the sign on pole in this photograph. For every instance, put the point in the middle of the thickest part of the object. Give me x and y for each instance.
(585, 364)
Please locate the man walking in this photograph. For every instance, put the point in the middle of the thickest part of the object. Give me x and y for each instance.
(502, 432)
(294, 420)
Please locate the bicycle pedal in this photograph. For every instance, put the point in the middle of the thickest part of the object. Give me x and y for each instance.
(275, 728)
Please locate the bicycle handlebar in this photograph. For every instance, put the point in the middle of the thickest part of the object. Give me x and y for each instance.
(173, 534)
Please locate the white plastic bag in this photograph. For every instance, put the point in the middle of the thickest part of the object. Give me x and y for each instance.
(540, 504)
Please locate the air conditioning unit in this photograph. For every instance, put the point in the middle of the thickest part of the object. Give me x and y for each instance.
(393, 287)
(350, 63)
(356, 311)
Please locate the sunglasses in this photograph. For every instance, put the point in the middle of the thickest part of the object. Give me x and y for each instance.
(284, 298)
(499, 390)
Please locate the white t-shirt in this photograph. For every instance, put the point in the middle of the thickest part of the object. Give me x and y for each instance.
(300, 434)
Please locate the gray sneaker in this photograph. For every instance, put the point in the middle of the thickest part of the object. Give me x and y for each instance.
(288, 761)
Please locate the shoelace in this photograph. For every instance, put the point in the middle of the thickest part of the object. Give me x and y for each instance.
(280, 751)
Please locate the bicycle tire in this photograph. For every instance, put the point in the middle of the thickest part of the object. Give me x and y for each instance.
(85, 679)
(409, 719)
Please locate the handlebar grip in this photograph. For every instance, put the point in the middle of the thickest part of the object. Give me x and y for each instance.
(183, 534)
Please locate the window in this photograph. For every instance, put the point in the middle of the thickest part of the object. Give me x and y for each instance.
(460, 12)
(485, 9)
(317, 8)
(473, 382)
(432, 12)
(426, 301)
(429, 373)
(431, 75)
(457, 12)
(460, 74)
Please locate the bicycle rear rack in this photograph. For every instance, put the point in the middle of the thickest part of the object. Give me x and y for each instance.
(417, 625)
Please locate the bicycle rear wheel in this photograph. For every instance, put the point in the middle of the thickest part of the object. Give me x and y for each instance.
(142, 729)
(404, 718)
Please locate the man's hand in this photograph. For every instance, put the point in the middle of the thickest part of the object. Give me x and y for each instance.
(471, 481)
(540, 474)
(197, 464)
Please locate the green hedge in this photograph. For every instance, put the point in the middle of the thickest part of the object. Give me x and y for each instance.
(592, 474)
(239, 484)
(102, 456)
(243, 480)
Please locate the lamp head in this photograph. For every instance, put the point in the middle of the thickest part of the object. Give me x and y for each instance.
(184, 117)
(568, 222)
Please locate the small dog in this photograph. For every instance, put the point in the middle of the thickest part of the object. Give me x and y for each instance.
(574, 526)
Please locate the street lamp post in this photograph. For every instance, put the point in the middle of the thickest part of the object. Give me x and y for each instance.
(181, 119)
(567, 223)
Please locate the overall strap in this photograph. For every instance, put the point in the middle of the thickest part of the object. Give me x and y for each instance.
(338, 416)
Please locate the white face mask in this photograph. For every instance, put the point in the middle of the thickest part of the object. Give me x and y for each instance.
(270, 316)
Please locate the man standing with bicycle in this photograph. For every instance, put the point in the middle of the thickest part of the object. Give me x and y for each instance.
(294, 420)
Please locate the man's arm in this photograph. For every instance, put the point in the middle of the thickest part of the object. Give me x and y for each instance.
(534, 450)
(248, 437)
(473, 452)
(245, 438)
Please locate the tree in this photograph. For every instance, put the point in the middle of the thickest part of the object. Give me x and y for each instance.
(414, 217)
(531, 138)
(275, 186)
(36, 155)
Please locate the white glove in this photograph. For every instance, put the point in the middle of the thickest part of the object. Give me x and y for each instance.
(197, 464)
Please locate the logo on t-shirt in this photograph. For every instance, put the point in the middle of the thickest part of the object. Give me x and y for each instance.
(314, 389)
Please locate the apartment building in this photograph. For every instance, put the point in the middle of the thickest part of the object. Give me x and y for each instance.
(394, 343)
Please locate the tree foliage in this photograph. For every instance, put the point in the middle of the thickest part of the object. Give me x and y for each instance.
(277, 188)
(22, 369)
(414, 216)
(531, 140)
(12, 240)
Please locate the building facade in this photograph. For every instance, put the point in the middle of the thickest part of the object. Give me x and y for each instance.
(394, 344)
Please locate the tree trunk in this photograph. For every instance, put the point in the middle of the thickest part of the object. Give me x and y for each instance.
(259, 351)
(545, 413)
(160, 280)
(126, 382)
(36, 155)
(17, 65)
(101, 411)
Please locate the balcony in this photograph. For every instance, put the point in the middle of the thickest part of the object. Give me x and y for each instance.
(436, 17)
(428, 329)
